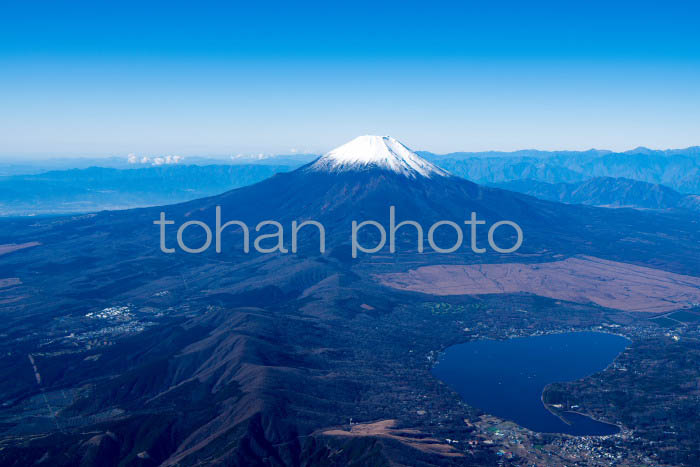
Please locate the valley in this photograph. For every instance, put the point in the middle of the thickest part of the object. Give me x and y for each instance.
(340, 371)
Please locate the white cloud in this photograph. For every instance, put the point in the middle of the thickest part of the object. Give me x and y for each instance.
(132, 158)
(167, 160)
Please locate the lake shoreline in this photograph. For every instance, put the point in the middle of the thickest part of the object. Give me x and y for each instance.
(508, 378)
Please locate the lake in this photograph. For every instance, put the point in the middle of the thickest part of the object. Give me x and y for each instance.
(506, 378)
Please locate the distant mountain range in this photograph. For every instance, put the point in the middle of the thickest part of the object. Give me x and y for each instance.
(676, 168)
(606, 192)
(19, 166)
(294, 160)
(537, 153)
(120, 184)
(99, 188)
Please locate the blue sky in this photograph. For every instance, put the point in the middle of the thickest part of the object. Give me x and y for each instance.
(207, 78)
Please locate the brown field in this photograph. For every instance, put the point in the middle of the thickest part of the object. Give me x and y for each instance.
(9, 282)
(582, 279)
(410, 437)
(10, 247)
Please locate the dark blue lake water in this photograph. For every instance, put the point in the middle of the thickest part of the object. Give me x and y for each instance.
(506, 378)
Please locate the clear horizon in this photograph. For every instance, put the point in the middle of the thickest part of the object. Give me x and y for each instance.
(228, 157)
(108, 80)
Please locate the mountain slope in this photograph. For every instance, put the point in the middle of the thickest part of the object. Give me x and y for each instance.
(376, 152)
(604, 191)
(250, 359)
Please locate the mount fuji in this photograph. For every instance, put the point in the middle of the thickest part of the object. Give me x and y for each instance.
(245, 359)
(376, 152)
(361, 180)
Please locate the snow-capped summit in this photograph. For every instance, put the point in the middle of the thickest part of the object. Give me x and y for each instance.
(382, 152)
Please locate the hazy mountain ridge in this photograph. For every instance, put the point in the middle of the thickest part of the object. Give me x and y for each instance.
(10, 166)
(120, 185)
(676, 168)
(606, 192)
(98, 188)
